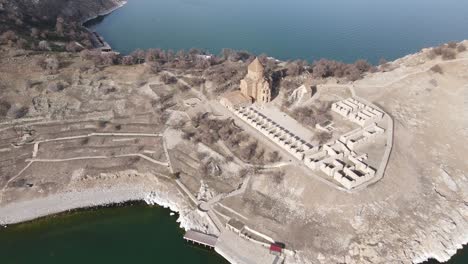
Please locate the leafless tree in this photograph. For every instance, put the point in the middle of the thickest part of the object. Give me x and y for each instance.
(21, 43)
(59, 25)
(138, 56)
(44, 45)
(52, 65)
(7, 36)
(128, 60)
(34, 32)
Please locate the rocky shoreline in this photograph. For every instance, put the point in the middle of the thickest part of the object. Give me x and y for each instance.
(119, 4)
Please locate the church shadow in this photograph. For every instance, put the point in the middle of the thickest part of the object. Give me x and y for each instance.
(276, 77)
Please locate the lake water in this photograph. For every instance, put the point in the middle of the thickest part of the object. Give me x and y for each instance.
(307, 29)
(131, 234)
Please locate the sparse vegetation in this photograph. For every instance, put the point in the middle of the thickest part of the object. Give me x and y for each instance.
(437, 69)
(310, 116)
(322, 137)
(446, 51)
(168, 79)
(329, 68)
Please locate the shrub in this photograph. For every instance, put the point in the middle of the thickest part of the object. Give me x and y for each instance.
(448, 54)
(154, 67)
(43, 45)
(4, 107)
(52, 65)
(437, 69)
(278, 177)
(8, 36)
(437, 51)
(452, 45)
(168, 79)
(322, 137)
(295, 68)
(182, 87)
(17, 111)
(55, 86)
(461, 48)
(274, 156)
(248, 152)
(362, 65)
(195, 81)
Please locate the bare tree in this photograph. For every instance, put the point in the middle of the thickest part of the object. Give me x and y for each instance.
(8, 36)
(59, 25)
(52, 65)
(138, 56)
(34, 32)
(128, 60)
(44, 45)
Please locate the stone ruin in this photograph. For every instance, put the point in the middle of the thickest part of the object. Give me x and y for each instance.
(338, 160)
(357, 112)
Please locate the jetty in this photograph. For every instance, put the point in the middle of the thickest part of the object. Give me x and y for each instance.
(101, 43)
(201, 238)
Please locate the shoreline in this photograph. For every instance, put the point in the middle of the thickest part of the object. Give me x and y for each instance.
(103, 13)
(30, 210)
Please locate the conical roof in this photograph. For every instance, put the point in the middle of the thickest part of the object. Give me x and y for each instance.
(256, 66)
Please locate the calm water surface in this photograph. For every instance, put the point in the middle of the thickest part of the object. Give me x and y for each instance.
(307, 29)
(132, 234)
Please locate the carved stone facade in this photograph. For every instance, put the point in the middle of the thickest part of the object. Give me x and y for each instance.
(255, 85)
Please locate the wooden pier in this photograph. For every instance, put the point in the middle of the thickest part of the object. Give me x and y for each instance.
(201, 238)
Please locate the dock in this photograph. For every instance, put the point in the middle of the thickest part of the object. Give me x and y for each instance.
(101, 43)
(201, 238)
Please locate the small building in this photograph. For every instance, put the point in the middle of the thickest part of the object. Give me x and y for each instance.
(276, 249)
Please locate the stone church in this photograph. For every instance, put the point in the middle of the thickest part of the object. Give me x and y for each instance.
(255, 85)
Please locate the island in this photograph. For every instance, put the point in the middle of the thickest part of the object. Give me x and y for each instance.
(266, 161)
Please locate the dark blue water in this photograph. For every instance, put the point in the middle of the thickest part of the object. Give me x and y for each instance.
(289, 29)
(131, 234)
